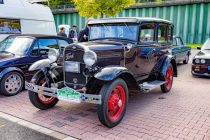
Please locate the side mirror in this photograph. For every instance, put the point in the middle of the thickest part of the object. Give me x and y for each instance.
(199, 47)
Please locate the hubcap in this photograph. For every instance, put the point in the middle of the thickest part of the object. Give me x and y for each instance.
(45, 99)
(13, 83)
(116, 102)
(169, 77)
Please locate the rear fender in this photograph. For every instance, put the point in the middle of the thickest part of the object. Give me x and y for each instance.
(169, 60)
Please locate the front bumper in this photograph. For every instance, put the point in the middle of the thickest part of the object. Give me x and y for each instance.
(52, 92)
(200, 70)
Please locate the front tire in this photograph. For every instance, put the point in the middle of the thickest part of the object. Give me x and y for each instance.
(114, 102)
(41, 101)
(11, 84)
(169, 80)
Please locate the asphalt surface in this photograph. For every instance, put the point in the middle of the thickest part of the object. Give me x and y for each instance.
(14, 131)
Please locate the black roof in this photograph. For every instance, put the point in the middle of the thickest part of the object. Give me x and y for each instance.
(39, 36)
(127, 20)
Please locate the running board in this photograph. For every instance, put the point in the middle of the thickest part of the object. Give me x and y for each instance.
(148, 86)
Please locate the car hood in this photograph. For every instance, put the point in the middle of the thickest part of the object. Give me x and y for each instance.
(203, 54)
(101, 45)
(7, 60)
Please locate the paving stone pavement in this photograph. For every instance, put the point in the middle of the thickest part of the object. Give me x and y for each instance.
(184, 113)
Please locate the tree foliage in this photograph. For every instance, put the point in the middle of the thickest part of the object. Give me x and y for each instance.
(90, 8)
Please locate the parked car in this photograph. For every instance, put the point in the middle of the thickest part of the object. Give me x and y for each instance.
(180, 51)
(18, 52)
(201, 61)
(123, 55)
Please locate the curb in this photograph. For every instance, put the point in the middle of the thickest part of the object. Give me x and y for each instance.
(36, 127)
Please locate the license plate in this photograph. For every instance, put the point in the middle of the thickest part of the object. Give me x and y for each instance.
(72, 66)
(69, 95)
(208, 67)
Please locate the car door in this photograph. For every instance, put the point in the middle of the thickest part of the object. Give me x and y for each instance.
(164, 38)
(143, 57)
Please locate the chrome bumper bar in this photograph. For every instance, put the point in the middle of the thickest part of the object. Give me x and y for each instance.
(52, 92)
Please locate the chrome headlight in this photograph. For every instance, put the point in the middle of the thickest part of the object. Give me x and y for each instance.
(197, 61)
(53, 55)
(90, 58)
(203, 61)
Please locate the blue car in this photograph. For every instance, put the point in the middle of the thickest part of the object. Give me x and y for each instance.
(18, 52)
(180, 52)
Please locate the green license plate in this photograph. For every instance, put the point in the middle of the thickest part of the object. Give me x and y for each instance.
(69, 95)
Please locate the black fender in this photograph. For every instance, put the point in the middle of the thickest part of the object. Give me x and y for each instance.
(10, 69)
(169, 60)
(112, 72)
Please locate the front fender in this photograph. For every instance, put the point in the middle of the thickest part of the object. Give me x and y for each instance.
(169, 60)
(110, 73)
(9, 69)
(44, 63)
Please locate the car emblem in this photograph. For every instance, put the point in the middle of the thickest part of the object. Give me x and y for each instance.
(75, 80)
(74, 47)
(69, 56)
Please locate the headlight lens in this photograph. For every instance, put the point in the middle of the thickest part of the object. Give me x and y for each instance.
(197, 61)
(53, 55)
(203, 61)
(90, 58)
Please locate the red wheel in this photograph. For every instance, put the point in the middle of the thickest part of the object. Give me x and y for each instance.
(41, 101)
(45, 99)
(114, 101)
(169, 80)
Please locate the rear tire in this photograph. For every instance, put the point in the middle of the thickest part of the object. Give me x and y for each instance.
(11, 84)
(114, 102)
(169, 80)
(41, 101)
(186, 59)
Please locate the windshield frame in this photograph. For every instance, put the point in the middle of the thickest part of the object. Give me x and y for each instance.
(205, 47)
(28, 49)
(115, 38)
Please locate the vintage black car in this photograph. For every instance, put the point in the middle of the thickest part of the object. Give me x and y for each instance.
(201, 61)
(18, 52)
(123, 56)
(180, 51)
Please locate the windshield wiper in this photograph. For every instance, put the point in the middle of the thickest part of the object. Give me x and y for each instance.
(7, 52)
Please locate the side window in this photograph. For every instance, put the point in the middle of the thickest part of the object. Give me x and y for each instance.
(35, 51)
(147, 33)
(10, 26)
(46, 44)
(179, 42)
(170, 33)
(63, 44)
(163, 33)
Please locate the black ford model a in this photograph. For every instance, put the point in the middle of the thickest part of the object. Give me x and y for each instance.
(123, 55)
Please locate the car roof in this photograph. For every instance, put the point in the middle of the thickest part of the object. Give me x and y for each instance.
(128, 20)
(39, 36)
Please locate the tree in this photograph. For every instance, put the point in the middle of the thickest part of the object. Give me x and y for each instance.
(90, 8)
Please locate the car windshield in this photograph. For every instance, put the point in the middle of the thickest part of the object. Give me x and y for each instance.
(15, 45)
(114, 31)
(206, 45)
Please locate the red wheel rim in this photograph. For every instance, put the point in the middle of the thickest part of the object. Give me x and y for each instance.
(116, 102)
(169, 77)
(42, 98)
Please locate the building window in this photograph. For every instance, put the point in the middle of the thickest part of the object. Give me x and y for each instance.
(10, 26)
(1, 1)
